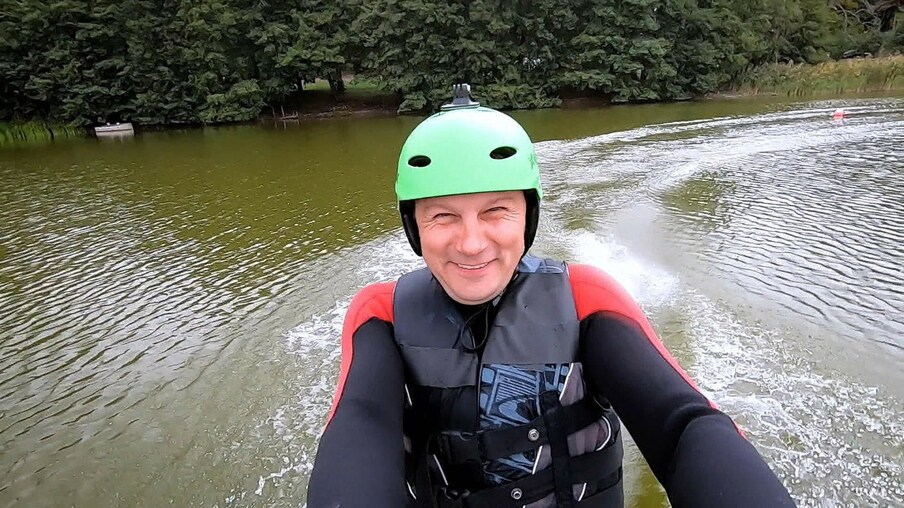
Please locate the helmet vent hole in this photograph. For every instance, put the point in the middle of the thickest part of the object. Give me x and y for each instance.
(419, 161)
(503, 152)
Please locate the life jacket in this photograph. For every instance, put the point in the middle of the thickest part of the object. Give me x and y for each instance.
(511, 424)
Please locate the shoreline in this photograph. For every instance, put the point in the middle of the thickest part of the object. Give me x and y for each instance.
(575, 102)
(734, 95)
(383, 105)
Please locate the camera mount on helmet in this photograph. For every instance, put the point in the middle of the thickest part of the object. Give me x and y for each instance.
(461, 98)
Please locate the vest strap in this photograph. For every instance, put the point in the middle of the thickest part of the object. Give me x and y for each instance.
(558, 446)
(585, 468)
(458, 447)
(422, 482)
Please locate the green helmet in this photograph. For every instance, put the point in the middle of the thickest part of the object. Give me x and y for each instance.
(466, 149)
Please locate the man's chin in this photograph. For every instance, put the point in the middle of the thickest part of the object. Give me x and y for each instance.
(471, 298)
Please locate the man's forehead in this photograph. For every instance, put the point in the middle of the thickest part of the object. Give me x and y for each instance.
(467, 200)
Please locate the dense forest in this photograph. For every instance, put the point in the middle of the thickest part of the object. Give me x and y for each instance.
(213, 61)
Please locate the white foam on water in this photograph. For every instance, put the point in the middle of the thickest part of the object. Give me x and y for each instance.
(794, 414)
(663, 163)
(648, 284)
(317, 345)
(300, 422)
(834, 440)
(815, 428)
(818, 430)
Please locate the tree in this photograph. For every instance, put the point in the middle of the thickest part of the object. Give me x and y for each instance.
(193, 61)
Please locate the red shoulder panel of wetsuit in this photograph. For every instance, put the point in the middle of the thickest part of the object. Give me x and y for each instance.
(596, 291)
(374, 301)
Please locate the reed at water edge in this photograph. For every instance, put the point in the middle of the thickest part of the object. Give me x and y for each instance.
(35, 132)
(840, 76)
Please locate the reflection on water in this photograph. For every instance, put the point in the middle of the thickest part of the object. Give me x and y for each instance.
(171, 304)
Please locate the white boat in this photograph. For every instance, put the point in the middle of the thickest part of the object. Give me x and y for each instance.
(118, 129)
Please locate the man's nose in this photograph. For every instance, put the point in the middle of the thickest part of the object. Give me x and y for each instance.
(473, 237)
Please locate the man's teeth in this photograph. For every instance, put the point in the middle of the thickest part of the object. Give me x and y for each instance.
(471, 267)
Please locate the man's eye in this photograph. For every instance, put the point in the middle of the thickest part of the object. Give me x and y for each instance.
(442, 216)
(497, 209)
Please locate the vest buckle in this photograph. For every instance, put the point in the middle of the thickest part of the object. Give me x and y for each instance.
(459, 447)
(455, 494)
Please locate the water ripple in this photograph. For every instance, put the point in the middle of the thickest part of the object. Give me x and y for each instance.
(796, 220)
(140, 287)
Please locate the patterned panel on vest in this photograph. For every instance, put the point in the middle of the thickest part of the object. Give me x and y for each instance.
(508, 398)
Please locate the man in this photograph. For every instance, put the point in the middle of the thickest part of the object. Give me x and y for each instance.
(492, 378)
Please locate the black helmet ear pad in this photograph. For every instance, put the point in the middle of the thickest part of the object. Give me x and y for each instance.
(532, 220)
(409, 223)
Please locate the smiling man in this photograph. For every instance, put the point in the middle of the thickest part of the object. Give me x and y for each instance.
(492, 378)
(472, 242)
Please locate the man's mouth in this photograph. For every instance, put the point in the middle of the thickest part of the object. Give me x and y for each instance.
(471, 267)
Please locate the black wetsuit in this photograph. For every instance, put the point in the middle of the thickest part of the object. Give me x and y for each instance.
(694, 450)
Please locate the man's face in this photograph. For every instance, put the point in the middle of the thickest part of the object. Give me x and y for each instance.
(472, 243)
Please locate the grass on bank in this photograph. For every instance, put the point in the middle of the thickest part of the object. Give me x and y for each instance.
(353, 85)
(360, 95)
(35, 132)
(841, 76)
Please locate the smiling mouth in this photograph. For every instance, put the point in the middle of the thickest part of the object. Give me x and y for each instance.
(471, 267)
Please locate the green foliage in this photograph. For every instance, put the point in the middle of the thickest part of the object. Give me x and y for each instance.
(655, 49)
(163, 61)
(241, 103)
(508, 50)
(516, 97)
(82, 62)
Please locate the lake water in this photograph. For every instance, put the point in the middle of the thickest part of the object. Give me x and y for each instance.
(171, 304)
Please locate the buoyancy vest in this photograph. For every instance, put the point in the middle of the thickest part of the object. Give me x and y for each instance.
(511, 424)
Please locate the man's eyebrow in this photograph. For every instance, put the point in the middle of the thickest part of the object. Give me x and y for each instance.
(434, 206)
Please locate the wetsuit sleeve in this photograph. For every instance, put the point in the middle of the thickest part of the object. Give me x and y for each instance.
(696, 451)
(360, 459)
